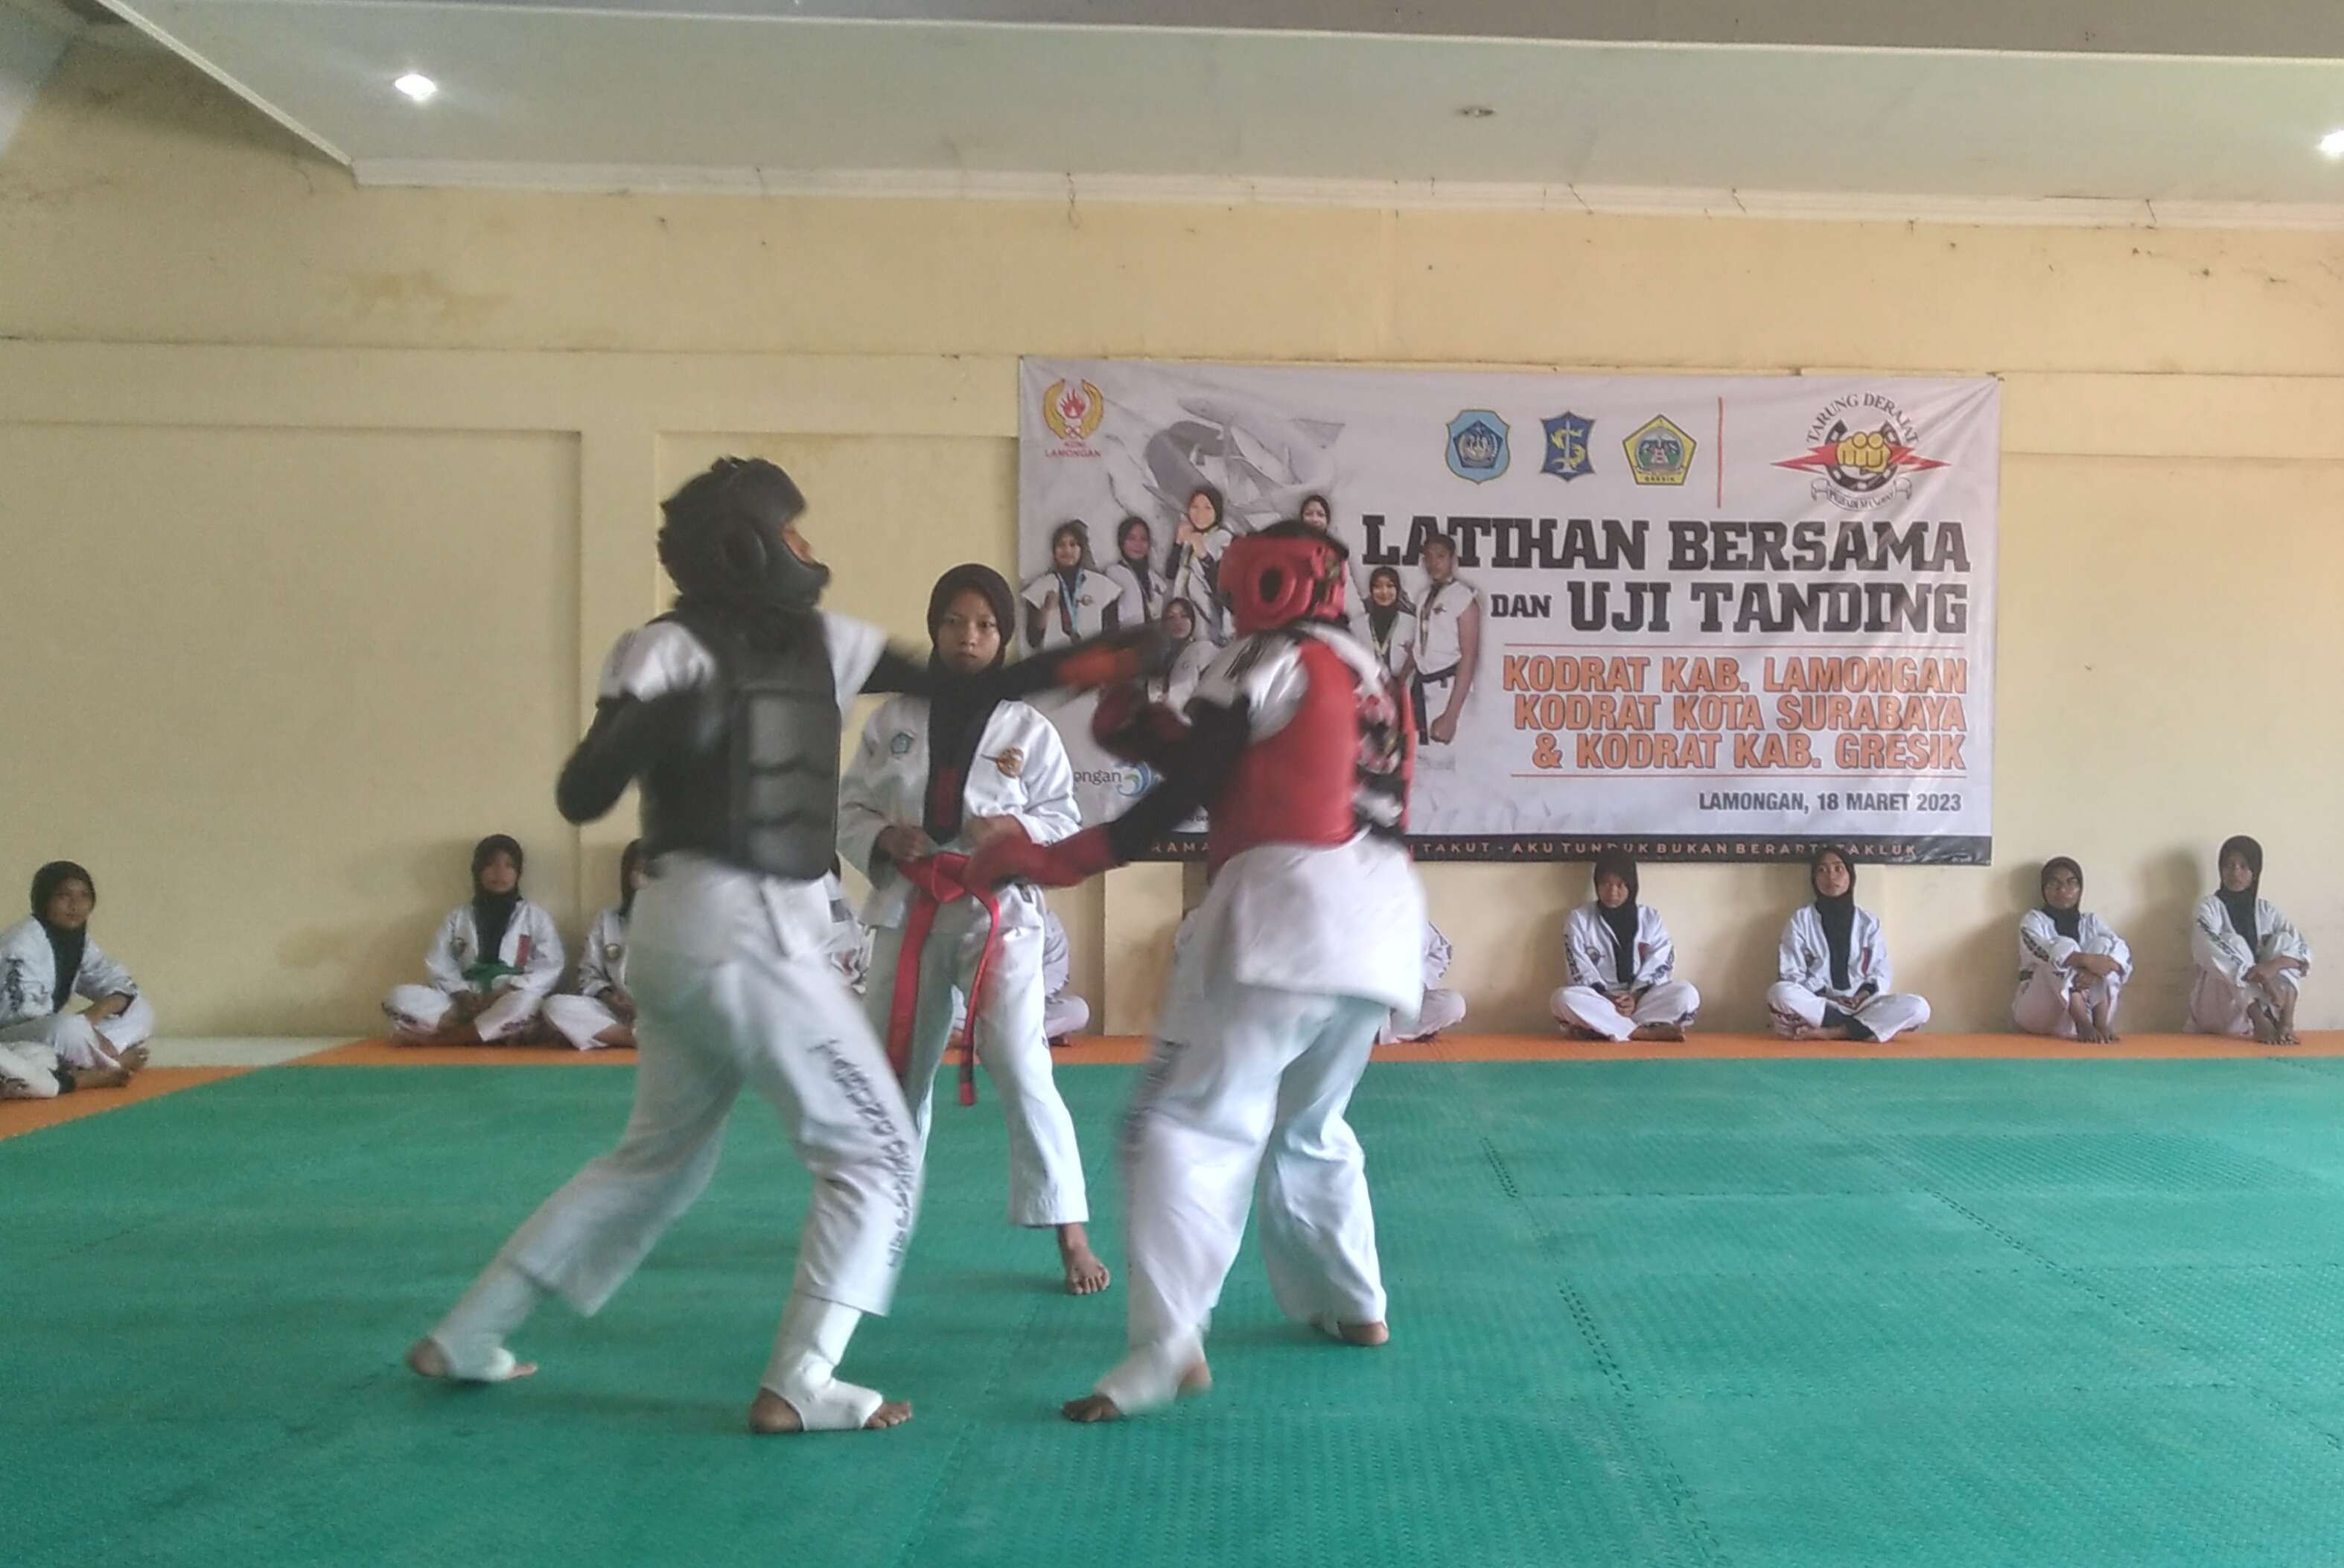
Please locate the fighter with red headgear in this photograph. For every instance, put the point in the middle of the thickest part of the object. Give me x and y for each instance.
(1298, 746)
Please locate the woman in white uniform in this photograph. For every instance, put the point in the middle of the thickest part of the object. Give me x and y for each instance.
(602, 1012)
(2072, 965)
(941, 776)
(1145, 589)
(492, 965)
(1073, 599)
(1195, 567)
(1834, 965)
(2250, 958)
(46, 960)
(1390, 625)
(1621, 964)
(1192, 655)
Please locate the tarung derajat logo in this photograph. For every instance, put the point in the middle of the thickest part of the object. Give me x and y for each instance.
(1658, 451)
(1567, 452)
(1477, 446)
(1863, 453)
(1073, 412)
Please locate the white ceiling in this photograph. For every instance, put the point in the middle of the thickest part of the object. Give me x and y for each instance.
(1814, 115)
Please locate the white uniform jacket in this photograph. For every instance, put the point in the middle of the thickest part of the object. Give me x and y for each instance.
(1590, 953)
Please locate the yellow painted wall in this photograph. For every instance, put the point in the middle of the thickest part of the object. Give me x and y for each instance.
(321, 506)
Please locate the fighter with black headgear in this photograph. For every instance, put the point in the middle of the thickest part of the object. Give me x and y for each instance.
(726, 709)
(1298, 744)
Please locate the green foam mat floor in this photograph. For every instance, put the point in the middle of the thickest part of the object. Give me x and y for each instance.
(1742, 1312)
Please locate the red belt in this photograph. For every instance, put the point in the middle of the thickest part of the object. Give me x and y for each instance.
(936, 882)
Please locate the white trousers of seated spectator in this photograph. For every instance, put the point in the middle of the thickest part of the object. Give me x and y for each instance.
(417, 1012)
(1440, 1010)
(578, 1019)
(2218, 1004)
(1886, 1015)
(1248, 1115)
(2042, 1006)
(1064, 1015)
(1585, 1008)
(27, 1072)
(73, 1038)
(1045, 1166)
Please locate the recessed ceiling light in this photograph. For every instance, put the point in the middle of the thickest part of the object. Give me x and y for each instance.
(417, 86)
(2333, 144)
(1477, 112)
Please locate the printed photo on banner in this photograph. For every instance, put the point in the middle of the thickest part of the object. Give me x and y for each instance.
(1765, 620)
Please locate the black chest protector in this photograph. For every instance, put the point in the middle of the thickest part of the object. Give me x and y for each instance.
(761, 791)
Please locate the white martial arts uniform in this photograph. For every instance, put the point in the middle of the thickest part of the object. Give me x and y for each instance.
(736, 985)
(38, 1039)
(1176, 685)
(887, 786)
(601, 967)
(1397, 647)
(2046, 985)
(1195, 573)
(1069, 617)
(2221, 995)
(530, 945)
(1063, 1012)
(1439, 1009)
(1805, 991)
(1591, 956)
(1441, 647)
(1135, 607)
(1290, 966)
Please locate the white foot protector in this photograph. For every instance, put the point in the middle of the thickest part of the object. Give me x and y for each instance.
(472, 1334)
(1149, 1377)
(806, 1352)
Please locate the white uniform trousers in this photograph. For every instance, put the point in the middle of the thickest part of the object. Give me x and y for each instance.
(28, 1072)
(1064, 1015)
(1045, 1166)
(578, 1019)
(417, 1012)
(1440, 1010)
(2217, 1003)
(74, 1038)
(1886, 1015)
(721, 1009)
(2042, 1005)
(1585, 1008)
(1253, 1112)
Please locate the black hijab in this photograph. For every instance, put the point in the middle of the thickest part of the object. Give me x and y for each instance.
(630, 859)
(2241, 905)
(66, 945)
(1381, 617)
(959, 711)
(1142, 566)
(2069, 923)
(492, 912)
(1837, 913)
(1622, 920)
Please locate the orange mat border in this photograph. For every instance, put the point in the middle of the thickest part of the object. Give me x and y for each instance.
(18, 1117)
(1125, 1049)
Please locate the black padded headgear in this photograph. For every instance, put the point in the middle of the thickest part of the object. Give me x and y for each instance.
(722, 541)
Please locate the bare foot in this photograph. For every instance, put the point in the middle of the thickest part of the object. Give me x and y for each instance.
(101, 1077)
(1086, 1275)
(1817, 1032)
(771, 1415)
(425, 1359)
(1669, 1032)
(1060, 1042)
(1093, 1407)
(135, 1060)
(2266, 1027)
(1365, 1335)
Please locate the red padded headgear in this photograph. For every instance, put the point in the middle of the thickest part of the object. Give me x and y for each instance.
(1288, 571)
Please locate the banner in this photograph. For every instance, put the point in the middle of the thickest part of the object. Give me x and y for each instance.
(1701, 617)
